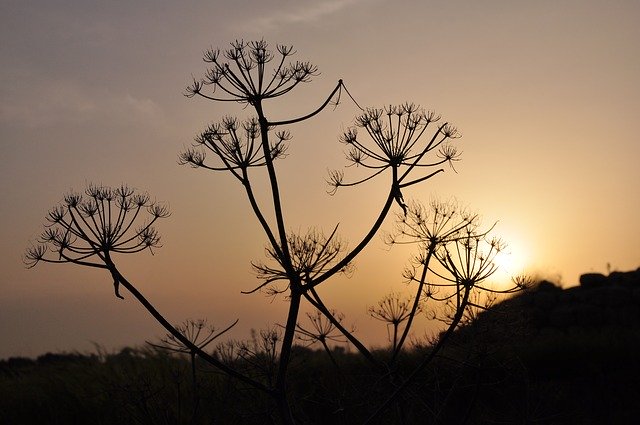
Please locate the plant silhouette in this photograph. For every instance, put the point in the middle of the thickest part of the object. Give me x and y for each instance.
(405, 143)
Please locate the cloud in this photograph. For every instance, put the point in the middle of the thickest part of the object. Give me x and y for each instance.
(59, 103)
(45, 105)
(307, 13)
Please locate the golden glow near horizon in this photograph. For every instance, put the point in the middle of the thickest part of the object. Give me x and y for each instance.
(512, 262)
(545, 94)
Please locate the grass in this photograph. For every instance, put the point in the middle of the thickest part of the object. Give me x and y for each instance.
(512, 365)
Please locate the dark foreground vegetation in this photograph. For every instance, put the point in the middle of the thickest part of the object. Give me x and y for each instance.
(545, 356)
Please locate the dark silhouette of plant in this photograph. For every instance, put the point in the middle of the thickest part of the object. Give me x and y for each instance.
(238, 74)
(465, 259)
(409, 144)
(89, 229)
(399, 144)
(199, 333)
(260, 353)
(432, 228)
(322, 331)
(311, 255)
(392, 310)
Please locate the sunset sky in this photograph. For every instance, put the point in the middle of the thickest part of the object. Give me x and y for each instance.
(546, 95)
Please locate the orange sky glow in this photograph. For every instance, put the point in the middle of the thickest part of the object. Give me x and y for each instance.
(545, 94)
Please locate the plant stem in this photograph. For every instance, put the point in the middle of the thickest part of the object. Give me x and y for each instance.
(416, 303)
(434, 351)
(173, 331)
(285, 356)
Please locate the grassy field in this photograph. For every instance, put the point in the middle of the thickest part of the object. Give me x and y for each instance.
(546, 356)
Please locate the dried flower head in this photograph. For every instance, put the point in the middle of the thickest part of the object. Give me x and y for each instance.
(397, 138)
(87, 229)
(243, 73)
(311, 255)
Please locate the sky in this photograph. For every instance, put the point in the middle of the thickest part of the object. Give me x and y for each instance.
(546, 95)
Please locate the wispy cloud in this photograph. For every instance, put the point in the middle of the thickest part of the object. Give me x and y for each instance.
(61, 102)
(45, 105)
(306, 13)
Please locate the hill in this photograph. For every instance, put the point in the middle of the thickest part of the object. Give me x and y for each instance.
(565, 355)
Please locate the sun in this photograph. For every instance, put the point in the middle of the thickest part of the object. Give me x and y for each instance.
(511, 262)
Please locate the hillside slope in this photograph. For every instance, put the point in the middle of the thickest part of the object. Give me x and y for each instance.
(556, 355)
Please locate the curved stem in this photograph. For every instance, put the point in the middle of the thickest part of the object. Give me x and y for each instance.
(179, 336)
(310, 115)
(259, 215)
(365, 241)
(317, 303)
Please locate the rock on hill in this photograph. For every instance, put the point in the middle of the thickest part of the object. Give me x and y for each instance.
(599, 302)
